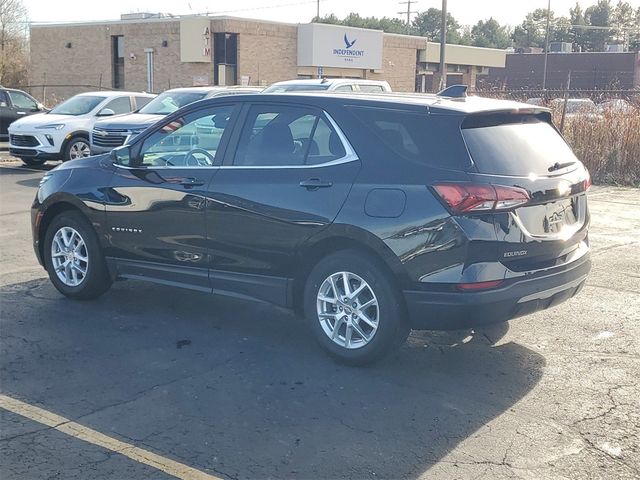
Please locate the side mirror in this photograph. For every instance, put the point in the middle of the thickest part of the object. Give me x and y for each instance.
(3, 104)
(106, 112)
(40, 107)
(121, 155)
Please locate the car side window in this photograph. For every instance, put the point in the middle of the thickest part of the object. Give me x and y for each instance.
(283, 135)
(142, 101)
(344, 88)
(371, 88)
(4, 101)
(20, 100)
(191, 140)
(119, 105)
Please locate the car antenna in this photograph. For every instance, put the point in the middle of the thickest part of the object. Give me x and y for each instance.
(454, 91)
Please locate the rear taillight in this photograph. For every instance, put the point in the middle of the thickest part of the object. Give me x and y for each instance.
(480, 197)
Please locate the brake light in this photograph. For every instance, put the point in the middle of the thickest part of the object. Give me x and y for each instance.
(480, 197)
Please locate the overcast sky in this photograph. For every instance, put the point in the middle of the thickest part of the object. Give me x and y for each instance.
(295, 11)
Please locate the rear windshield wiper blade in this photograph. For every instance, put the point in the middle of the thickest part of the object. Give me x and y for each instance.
(558, 166)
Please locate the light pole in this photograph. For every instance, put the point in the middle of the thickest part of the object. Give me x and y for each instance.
(443, 44)
(546, 48)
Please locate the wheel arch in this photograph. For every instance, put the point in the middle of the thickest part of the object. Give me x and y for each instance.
(70, 136)
(50, 212)
(338, 238)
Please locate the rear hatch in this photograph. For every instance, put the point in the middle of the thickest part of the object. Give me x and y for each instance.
(540, 210)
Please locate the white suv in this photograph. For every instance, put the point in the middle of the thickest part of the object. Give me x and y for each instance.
(63, 132)
(329, 85)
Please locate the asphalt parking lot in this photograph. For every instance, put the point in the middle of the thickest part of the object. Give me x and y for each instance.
(152, 382)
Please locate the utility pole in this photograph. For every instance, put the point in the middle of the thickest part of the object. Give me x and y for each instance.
(409, 12)
(318, 10)
(546, 49)
(443, 45)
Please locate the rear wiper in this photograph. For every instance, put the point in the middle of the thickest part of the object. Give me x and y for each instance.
(558, 166)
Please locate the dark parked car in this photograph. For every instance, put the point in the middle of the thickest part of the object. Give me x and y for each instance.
(15, 104)
(372, 215)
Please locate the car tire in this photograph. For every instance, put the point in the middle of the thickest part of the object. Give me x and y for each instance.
(387, 326)
(83, 273)
(32, 162)
(77, 147)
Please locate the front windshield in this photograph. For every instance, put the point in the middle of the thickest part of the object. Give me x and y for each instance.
(169, 102)
(295, 88)
(78, 105)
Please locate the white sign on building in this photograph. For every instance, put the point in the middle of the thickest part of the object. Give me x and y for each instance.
(322, 45)
(195, 39)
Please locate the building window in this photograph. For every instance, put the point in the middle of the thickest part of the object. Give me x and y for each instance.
(117, 61)
(225, 58)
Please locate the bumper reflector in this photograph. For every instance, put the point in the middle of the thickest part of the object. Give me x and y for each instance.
(473, 287)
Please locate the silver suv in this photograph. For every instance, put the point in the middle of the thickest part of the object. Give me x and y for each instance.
(115, 132)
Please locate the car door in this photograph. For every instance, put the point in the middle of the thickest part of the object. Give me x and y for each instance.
(20, 106)
(156, 208)
(285, 177)
(5, 113)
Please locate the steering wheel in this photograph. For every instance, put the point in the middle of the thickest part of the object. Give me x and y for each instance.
(190, 157)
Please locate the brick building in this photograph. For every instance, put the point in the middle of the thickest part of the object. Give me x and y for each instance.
(585, 70)
(152, 53)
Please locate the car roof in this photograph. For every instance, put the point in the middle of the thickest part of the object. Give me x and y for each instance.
(432, 102)
(113, 93)
(210, 88)
(329, 81)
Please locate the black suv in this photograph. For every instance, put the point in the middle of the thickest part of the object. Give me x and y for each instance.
(370, 214)
(15, 104)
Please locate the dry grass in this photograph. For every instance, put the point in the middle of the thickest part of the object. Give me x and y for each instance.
(609, 146)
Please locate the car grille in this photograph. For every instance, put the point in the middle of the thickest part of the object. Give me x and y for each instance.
(109, 138)
(24, 140)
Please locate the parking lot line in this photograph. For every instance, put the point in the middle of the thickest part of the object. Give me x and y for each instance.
(86, 434)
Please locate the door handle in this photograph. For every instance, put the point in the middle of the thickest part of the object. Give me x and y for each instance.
(191, 182)
(21, 113)
(315, 183)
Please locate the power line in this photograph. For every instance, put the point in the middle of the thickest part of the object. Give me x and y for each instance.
(409, 12)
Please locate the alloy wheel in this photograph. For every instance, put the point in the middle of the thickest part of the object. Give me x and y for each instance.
(348, 310)
(69, 256)
(79, 150)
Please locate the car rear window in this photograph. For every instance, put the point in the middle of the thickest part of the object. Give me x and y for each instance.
(515, 145)
(433, 140)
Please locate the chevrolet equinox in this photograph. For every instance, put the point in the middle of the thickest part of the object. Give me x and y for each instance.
(370, 215)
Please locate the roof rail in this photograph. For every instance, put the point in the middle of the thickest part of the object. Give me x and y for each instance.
(454, 91)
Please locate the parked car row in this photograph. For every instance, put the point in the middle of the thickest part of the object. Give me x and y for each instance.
(585, 107)
(77, 128)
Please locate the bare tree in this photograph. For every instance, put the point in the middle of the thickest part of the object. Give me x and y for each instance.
(14, 56)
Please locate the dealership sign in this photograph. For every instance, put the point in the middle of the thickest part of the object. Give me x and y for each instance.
(338, 46)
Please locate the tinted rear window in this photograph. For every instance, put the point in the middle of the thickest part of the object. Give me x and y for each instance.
(515, 145)
(416, 136)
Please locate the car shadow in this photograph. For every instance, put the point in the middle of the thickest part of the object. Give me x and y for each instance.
(241, 389)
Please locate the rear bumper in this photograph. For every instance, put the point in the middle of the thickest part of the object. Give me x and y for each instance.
(430, 310)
